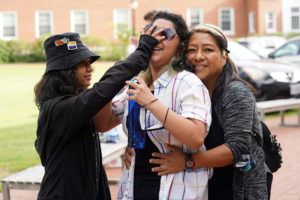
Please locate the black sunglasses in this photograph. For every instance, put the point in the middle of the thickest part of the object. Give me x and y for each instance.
(169, 33)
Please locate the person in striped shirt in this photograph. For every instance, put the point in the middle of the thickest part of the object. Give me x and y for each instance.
(176, 109)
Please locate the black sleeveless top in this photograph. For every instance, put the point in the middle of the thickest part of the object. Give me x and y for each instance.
(146, 182)
(220, 185)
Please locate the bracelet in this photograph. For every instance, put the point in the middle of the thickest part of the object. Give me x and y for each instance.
(194, 167)
(147, 104)
(166, 117)
(189, 162)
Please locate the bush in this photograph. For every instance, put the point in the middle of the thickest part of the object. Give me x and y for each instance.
(36, 50)
(290, 35)
(21, 51)
(4, 52)
(108, 51)
(18, 50)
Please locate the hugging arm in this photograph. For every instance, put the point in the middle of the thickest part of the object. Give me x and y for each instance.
(237, 118)
(175, 160)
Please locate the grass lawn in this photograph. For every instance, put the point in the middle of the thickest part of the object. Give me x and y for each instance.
(18, 114)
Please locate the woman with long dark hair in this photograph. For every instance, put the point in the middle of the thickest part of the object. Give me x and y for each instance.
(237, 159)
(67, 142)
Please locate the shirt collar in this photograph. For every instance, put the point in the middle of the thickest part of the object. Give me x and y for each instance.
(164, 79)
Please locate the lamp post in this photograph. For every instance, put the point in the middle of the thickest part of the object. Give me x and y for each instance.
(133, 6)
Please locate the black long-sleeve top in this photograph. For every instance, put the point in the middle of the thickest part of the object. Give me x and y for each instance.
(66, 141)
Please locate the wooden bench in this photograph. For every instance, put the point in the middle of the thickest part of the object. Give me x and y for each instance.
(280, 105)
(30, 178)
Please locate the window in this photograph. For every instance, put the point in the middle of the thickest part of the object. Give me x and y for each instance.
(163, 9)
(80, 22)
(122, 20)
(194, 16)
(8, 25)
(251, 23)
(43, 23)
(226, 20)
(271, 22)
(295, 19)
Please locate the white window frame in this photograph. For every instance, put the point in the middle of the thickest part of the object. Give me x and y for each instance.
(273, 21)
(163, 9)
(15, 25)
(86, 21)
(295, 14)
(232, 27)
(189, 16)
(117, 21)
(251, 22)
(37, 21)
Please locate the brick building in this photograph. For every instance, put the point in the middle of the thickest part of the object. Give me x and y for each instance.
(28, 20)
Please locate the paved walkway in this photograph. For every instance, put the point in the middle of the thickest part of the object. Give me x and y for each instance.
(286, 184)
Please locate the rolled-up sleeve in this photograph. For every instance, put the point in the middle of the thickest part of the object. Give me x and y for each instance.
(239, 103)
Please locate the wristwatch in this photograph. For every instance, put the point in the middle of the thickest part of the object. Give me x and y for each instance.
(189, 162)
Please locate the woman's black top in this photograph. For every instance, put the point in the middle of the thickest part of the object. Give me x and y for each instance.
(146, 182)
(220, 185)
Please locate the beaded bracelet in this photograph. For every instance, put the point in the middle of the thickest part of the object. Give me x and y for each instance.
(147, 104)
(166, 117)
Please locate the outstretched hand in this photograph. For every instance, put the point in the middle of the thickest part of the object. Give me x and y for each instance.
(170, 163)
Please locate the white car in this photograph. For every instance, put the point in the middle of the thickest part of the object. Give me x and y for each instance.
(289, 51)
(262, 45)
(271, 78)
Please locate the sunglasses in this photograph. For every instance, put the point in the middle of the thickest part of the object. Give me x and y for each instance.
(169, 33)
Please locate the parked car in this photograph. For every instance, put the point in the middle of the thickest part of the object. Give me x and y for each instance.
(271, 78)
(262, 45)
(289, 51)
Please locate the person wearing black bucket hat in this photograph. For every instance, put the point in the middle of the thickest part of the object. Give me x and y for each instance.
(64, 51)
(67, 142)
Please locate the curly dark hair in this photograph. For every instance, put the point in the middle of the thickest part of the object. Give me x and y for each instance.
(181, 30)
(149, 15)
(54, 84)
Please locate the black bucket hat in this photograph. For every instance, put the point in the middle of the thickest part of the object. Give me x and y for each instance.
(65, 51)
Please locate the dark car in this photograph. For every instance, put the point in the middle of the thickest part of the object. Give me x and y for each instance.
(271, 78)
(289, 51)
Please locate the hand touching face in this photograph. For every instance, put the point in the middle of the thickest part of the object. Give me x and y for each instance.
(166, 49)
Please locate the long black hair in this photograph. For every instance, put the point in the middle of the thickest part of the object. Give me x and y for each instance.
(54, 84)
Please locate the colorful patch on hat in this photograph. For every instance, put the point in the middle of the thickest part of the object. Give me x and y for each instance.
(61, 41)
(72, 45)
